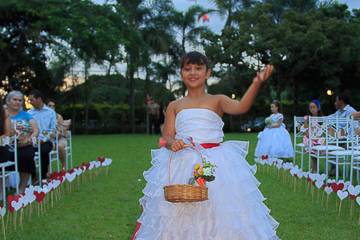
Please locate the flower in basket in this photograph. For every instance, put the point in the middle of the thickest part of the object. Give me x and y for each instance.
(268, 121)
(203, 173)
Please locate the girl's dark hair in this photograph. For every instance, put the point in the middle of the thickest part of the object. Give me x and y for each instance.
(317, 103)
(194, 58)
(277, 104)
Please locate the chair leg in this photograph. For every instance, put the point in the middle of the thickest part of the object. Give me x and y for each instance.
(3, 186)
(317, 166)
(326, 168)
(337, 168)
(302, 158)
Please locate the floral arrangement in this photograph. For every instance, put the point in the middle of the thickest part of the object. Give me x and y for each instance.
(203, 173)
(268, 121)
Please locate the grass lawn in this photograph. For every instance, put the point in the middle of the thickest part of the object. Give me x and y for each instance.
(107, 208)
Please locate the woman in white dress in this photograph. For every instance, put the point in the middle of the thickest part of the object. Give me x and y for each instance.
(274, 141)
(235, 208)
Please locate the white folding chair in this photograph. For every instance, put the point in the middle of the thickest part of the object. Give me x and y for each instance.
(5, 141)
(319, 130)
(68, 150)
(355, 158)
(54, 154)
(37, 159)
(343, 134)
(299, 132)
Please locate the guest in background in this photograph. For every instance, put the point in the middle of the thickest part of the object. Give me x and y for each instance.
(23, 124)
(343, 108)
(153, 109)
(62, 127)
(317, 137)
(45, 119)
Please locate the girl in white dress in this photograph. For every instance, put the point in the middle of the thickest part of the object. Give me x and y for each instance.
(274, 141)
(235, 208)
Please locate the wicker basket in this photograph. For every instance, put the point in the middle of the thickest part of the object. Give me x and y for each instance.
(183, 193)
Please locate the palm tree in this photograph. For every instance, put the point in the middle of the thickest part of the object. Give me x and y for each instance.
(186, 25)
(229, 7)
(148, 34)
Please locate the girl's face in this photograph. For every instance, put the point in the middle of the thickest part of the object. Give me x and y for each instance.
(194, 75)
(313, 109)
(15, 103)
(274, 108)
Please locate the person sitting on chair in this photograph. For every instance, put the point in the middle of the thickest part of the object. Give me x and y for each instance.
(343, 110)
(45, 118)
(24, 126)
(62, 127)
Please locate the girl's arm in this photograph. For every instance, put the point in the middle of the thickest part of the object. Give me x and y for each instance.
(230, 106)
(279, 119)
(170, 131)
(276, 124)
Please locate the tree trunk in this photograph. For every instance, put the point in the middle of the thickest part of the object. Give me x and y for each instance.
(87, 94)
(131, 83)
(295, 96)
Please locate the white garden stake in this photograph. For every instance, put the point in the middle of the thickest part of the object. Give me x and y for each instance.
(342, 195)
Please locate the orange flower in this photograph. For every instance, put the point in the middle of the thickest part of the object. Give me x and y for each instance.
(201, 182)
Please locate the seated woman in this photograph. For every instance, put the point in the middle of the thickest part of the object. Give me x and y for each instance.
(317, 137)
(25, 127)
(62, 129)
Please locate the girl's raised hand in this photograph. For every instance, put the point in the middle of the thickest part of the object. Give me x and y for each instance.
(178, 145)
(263, 75)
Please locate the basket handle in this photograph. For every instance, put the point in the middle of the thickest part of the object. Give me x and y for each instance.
(172, 153)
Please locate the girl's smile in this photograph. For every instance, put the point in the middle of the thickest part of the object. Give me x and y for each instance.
(194, 75)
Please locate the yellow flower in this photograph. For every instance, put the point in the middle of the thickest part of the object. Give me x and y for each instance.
(197, 166)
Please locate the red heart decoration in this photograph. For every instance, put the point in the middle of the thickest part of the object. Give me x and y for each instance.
(11, 198)
(39, 196)
(341, 186)
(334, 187)
(352, 197)
(54, 175)
(100, 159)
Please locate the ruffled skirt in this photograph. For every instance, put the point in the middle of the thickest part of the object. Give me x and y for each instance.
(235, 208)
(274, 142)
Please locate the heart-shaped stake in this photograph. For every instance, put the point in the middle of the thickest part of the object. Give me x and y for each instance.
(328, 191)
(358, 202)
(342, 195)
(354, 190)
(2, 214)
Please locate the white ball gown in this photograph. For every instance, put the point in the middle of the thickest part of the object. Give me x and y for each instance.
(275, 142)
(235, 209)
